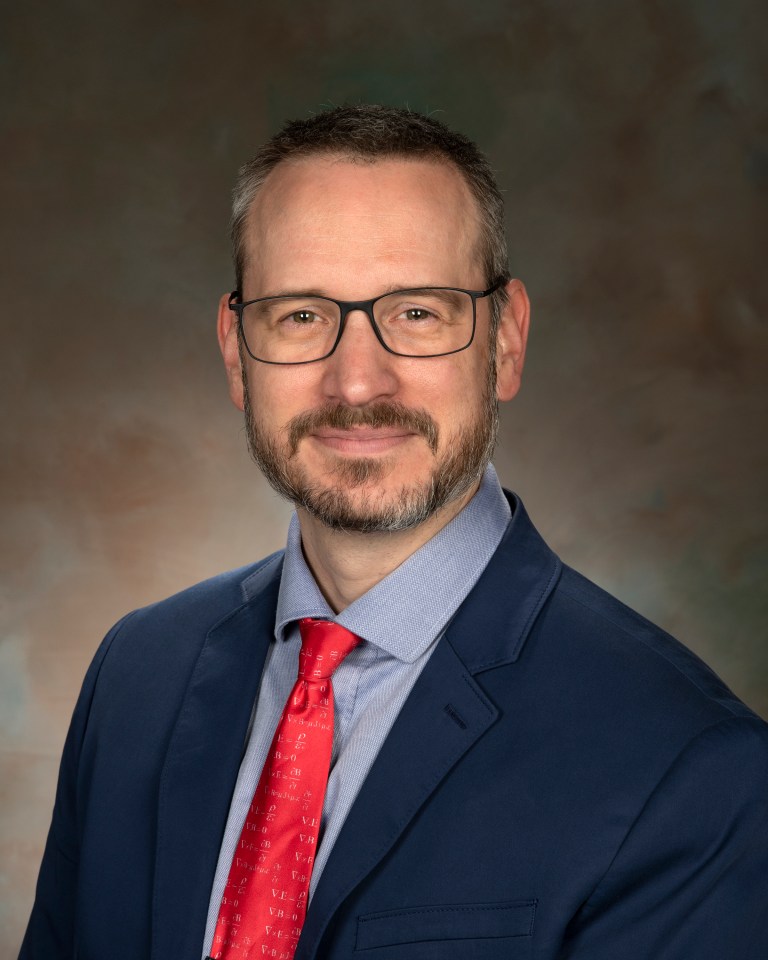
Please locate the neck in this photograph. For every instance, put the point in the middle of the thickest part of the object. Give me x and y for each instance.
(346, 564)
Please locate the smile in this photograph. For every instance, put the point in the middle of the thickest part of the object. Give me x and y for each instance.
(362, 441)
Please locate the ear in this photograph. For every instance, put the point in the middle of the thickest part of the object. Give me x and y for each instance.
(511, 338)
(227, 332)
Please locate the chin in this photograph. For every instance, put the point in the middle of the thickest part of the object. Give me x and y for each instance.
(372, 505)
(369, 509)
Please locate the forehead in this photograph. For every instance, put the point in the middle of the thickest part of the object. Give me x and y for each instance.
(414, 219)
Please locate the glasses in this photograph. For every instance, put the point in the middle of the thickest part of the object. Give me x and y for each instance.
(302, 328)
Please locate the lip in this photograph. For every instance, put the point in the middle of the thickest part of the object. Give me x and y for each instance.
(362, 441)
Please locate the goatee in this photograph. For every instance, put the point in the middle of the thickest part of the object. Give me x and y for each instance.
(330, 499)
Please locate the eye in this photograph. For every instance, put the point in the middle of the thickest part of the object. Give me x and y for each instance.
(303, 317)
(417, 314)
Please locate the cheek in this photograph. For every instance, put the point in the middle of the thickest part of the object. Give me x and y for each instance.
(454, 390)
(278, 394)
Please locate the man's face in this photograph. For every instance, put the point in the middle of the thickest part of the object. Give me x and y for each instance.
(365, 440)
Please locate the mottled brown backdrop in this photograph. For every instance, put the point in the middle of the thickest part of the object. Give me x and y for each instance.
(631, 139)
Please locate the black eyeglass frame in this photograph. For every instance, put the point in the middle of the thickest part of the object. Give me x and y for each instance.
(347, 306)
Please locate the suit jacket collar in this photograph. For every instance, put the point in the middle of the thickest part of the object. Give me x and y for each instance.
(507, 598)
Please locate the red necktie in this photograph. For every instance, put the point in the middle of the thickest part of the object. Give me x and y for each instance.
(265, 897)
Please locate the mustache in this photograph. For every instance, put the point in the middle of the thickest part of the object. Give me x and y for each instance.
(381, 413)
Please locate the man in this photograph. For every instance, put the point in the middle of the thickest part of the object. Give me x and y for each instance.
(482, 754)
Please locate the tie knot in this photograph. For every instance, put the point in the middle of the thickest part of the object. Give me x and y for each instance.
(323, 646)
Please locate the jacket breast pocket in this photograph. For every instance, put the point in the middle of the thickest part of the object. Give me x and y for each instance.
(472, 931)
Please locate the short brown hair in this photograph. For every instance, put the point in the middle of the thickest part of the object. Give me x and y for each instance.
(368, 132)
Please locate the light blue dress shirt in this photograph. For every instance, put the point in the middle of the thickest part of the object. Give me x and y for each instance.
(400, 620)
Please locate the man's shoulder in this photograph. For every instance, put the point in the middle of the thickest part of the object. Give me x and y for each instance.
(632, 655)
(613, 699)
(582, 649)
(174, 628)
(213, 598)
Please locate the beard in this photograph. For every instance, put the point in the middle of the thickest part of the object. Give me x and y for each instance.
(349, 497)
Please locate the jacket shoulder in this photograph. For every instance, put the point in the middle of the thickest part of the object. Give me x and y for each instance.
(622, 642)
(209, 601)
(165, 638)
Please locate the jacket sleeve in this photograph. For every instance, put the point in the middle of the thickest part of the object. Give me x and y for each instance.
(51, 930)
(691, 877)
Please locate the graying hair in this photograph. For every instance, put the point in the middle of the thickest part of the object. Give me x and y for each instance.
(367, 132)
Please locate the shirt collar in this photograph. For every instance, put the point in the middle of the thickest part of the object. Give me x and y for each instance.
(404, 612)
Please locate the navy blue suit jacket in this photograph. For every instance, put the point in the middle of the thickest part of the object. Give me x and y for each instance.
(564, 781)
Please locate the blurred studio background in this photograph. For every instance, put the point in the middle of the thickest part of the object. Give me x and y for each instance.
(631, 139)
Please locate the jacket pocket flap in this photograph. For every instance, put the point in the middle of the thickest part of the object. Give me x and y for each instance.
(471, 921)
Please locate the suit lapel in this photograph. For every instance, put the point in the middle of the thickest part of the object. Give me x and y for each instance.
(492, 625)
(445, 714)
(201, 767)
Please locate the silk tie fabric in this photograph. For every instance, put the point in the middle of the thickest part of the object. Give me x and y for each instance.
(265, 898)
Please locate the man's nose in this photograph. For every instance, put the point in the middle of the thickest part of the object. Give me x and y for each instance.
(360, 370)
